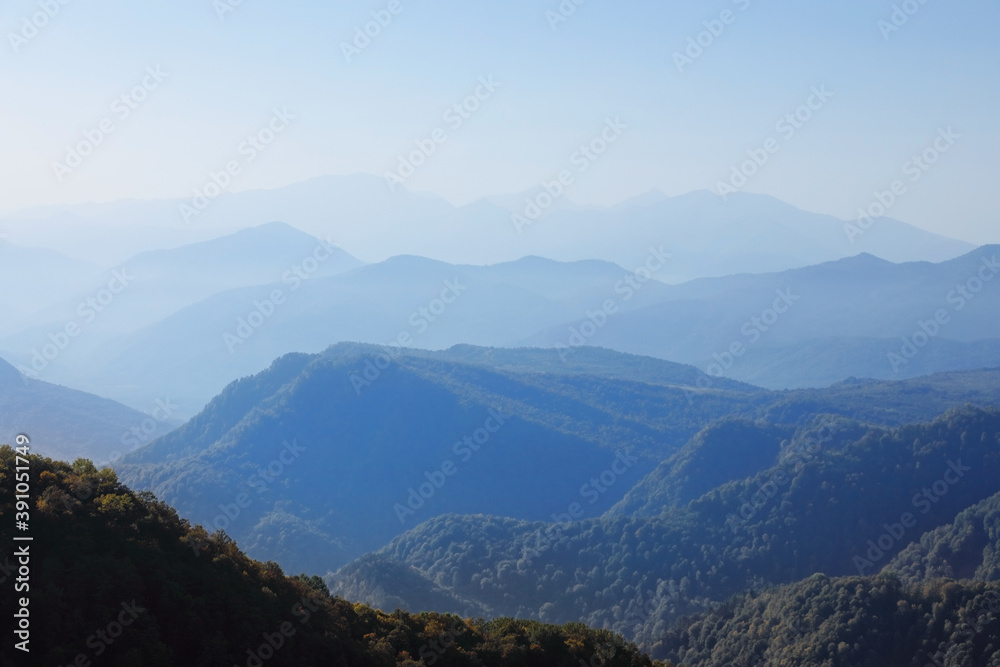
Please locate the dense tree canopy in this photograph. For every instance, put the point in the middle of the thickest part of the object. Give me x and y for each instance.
(118, 576)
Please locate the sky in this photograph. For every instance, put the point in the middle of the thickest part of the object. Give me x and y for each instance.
(687, 114)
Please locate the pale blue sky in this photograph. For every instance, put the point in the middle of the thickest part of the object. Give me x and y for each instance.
(557, 87)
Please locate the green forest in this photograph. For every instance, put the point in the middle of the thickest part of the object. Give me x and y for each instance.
(195, 599)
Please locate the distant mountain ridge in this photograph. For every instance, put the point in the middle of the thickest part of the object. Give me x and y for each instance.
(198, 350)
(816, 325)
(35, 277)
(807, 327)
(100, 307)
(159, 283)
(708, 236)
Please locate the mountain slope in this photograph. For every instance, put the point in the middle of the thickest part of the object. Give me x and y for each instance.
(71, 424)
(821, 509)
(385, 427)
(724, 450)
(118, 579)
(420, 437)
(386, 584)
(731, 449)
(966, 548)
(873, 622)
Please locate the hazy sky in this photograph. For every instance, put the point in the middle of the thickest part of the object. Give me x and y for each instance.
(892, 93)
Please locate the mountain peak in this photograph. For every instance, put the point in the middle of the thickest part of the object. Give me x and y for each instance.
(866, 258)
(274, 229)
(274, 225)
(648, 198)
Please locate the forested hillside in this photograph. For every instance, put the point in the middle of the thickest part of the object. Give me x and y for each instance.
(724, 450)
(117, 579)
(342, 451)
(853, 621)
(832, 506)
(966, 548)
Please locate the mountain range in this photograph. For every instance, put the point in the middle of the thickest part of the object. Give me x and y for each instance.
(337, 453)
(708, 235)
(186, 322)
(776, 446)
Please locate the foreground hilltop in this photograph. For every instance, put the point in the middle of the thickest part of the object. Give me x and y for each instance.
(117, 576)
